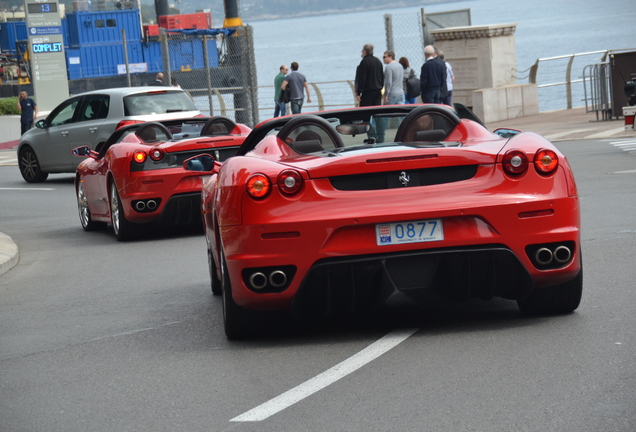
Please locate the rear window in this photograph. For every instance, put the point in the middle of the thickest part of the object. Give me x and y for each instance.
(158, 102)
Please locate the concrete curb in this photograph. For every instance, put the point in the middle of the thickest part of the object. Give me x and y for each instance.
(8, 254)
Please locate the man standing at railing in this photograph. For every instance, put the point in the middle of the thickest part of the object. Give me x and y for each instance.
(432, 77)
(296, 82)
(369, 78)
(280, 105)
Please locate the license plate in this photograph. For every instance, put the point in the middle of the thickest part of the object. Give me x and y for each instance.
(409, 232)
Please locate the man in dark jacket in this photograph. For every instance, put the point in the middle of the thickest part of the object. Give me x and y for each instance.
(369, 78)
(432, 77)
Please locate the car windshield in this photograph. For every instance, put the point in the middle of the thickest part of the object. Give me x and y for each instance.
(157, 102)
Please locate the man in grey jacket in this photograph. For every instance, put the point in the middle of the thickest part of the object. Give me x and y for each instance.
(393, 76)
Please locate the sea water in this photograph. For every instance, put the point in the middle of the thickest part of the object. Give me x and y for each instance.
(328, 47)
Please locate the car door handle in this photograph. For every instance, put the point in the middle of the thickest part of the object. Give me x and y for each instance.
(92, 129)
(64, 133)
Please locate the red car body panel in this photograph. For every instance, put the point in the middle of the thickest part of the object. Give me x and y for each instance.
(492, 209)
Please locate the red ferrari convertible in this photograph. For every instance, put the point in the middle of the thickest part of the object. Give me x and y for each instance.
(137, 176)
(344, 210)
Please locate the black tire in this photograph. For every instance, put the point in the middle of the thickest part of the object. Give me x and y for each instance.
(30, 167)
(84, 212)
(554, 300)
(238, 322)
(215, 282)
(123, 229)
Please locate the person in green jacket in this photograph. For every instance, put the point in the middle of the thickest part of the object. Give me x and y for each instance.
(279, 106)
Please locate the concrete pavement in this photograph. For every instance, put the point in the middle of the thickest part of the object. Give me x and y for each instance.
(560, 125)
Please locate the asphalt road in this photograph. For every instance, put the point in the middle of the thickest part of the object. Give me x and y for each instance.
(106, 336)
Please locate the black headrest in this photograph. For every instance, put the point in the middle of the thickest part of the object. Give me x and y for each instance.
(429, 135)
(307, 146)
(308, 135)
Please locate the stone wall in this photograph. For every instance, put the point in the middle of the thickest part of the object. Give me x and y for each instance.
(484, 61)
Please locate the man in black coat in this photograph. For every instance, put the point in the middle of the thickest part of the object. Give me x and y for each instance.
(432, 77)
(369, 78)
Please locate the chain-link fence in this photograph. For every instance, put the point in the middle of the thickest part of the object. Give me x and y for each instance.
(404, 36)
(221, 81)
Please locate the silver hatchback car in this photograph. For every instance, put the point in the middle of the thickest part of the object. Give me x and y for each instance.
(88, 119)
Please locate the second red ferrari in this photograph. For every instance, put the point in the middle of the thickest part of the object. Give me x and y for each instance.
(137, 176)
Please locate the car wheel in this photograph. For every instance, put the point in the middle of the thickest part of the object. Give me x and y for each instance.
(559, 299)
(121, 226)
(215, 282)
(84, 212)
(30, 167)
(236, 320)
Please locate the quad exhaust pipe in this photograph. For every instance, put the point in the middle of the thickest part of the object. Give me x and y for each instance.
(562, 254)
(276, 279)
(148, 205)
(545, 256)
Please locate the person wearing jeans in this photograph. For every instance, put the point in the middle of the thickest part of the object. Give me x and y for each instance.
(296, 82)
(279, 106)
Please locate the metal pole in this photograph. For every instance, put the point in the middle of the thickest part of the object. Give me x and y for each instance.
(123, 38)
(232, 18)
(164, 43)
(568, 82)
(206, 64)
(388, 29)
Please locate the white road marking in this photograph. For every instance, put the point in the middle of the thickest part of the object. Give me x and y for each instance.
(326, 378)
(8, 158)
(28, 188)
(627, 145)
(606, 134)
(566, 133)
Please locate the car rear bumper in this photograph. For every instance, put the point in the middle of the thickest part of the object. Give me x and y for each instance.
(177, 198)
(486, 251)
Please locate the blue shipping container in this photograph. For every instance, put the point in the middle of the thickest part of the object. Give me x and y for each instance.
(189, 54)
(98, 28)
(101, 60)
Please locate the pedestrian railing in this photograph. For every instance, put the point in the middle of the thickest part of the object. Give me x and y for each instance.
(562, 81)
(556, 82)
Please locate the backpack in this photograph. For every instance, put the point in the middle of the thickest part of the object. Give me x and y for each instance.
(413, 85)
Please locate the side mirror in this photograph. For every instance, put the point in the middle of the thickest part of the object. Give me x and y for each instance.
(40, 124)
(202, 163)
(507, 133)
(82, 151)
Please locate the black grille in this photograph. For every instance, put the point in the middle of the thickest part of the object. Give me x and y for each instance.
(171, 160)
(398, 179)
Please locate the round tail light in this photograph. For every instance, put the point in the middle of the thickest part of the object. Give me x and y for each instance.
(140, 156)
(156, 153)
(258, 185)
(546, 161)
(515, 162)
(289, 182)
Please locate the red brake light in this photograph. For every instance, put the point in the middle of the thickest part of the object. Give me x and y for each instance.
(139, 156)
(546, 161)
(156, 153)
(289, 182)
(515, 162)
(123, 123)
(258, 186)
